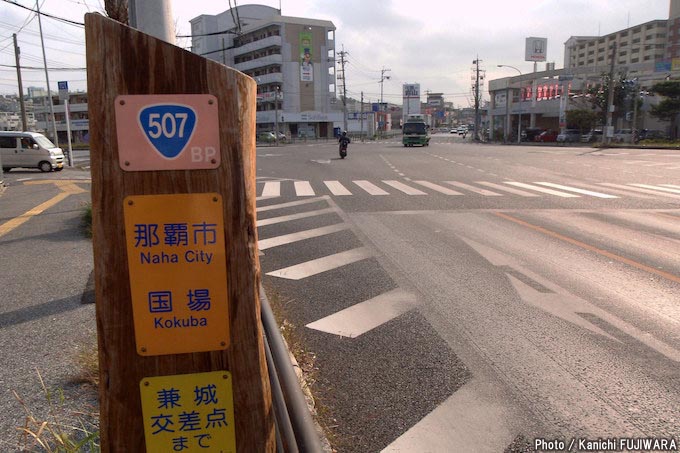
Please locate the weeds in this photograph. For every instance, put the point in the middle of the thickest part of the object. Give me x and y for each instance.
(51, 433)
(87, 219)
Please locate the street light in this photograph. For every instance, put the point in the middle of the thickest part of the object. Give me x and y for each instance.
(519, 120)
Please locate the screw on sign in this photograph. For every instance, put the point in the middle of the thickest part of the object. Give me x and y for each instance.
(189, 412)
(177, 271)
(167, 132)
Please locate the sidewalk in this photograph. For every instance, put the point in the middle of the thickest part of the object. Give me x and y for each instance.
(47, 261)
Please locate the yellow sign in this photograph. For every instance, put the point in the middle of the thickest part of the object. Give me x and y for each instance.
(178, 272)
(189, 413)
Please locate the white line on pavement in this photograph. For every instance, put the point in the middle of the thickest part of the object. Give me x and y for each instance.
(362, 317)
(319, 265)
(291, 204)
(438, 188)
(303, 189)
(336, 188)
(542, 189)
(288, 218)
(300, 236)
(577, 190)
(400, 186)
(370, 187)
(521, 193)
(486, 193)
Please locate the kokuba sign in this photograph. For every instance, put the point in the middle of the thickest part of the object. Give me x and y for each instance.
(178, 274)
(167, 132)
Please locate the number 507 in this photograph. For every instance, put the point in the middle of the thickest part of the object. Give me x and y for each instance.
(169, 125)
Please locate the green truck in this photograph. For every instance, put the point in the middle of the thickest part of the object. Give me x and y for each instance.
(416, 131)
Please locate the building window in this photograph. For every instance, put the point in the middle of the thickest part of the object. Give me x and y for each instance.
(637, 29)
(634, 60)
(591, 61)
(623, 44)
(600, 59)
(600, 41)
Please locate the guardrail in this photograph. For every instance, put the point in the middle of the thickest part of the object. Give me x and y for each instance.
(295, 429)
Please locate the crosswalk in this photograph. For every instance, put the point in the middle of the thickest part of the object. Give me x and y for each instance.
(348, 326)
(275, 188)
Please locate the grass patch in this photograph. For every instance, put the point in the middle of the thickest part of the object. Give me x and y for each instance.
(58, 430)
(86, 218)
(306, 360)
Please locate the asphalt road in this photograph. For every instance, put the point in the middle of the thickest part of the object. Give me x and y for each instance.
(457, 297)
(464, 297)
(46, 316)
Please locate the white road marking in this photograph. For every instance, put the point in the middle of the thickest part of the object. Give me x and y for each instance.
(508, 189)
(319, 265)
(288, 218)
(290, 204)
(271, 189)
(336, 188)
(671, 185)
(542, 189)
(663, 189)
(408, 190)
(469, 417)
(577, 190)
(362, 317)
(370, 188)
(438, 188)
(303, 189)
(265, 244)
(486, 193)
(638, 189)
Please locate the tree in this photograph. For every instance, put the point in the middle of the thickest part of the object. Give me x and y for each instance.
(669, 108)
(117, 10)
(599, 96)
(582, 119)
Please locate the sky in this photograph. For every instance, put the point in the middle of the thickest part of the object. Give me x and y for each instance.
(431, 42)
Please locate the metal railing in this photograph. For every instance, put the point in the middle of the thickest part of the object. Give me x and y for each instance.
(295, 429)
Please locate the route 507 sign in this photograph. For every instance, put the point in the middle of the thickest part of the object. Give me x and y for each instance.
(167, 132)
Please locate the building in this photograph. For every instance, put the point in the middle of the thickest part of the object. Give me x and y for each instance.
(644, 54)
(292, 60)
(645, 43)
(79, 121)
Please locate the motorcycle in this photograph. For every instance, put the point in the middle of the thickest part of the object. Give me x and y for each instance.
(343, 150)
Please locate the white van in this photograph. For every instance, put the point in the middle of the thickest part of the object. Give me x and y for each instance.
(29, 150)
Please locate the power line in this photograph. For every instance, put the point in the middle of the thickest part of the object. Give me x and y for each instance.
(42, 68)
(68, 21)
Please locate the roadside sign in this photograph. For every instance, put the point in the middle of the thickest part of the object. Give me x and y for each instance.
(63, 90)
(178, 272)
(167, 132)
(189, 412)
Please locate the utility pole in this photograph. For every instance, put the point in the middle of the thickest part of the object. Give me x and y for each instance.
(343, 77)
(153, 17)
(610, 101)
(476, 63)
(276, 115)
(383, 77)
(361, 118)
(21, 88)
(47, 77)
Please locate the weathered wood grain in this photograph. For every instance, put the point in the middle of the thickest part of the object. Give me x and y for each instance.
(121, 60)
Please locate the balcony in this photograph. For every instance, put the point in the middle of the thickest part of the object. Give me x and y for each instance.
(259, 44)
(259, 62)
(275, 77)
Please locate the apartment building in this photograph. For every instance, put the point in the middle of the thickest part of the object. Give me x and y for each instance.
(292, 59)
(644, 43)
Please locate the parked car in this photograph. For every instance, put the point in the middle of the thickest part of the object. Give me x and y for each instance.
(547, 136)
(592, 136)
(29, 150)
(646, 134)
(530, 133)
(266, 137)
(453, 130)
(569, 136)
(462, 130)
(623, 136)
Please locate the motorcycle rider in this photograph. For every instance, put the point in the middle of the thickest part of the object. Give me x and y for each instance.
(344, 140)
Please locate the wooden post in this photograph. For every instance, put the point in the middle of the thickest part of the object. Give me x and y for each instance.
(124, 62)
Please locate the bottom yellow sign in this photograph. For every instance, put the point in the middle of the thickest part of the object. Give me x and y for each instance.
(189, 413)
